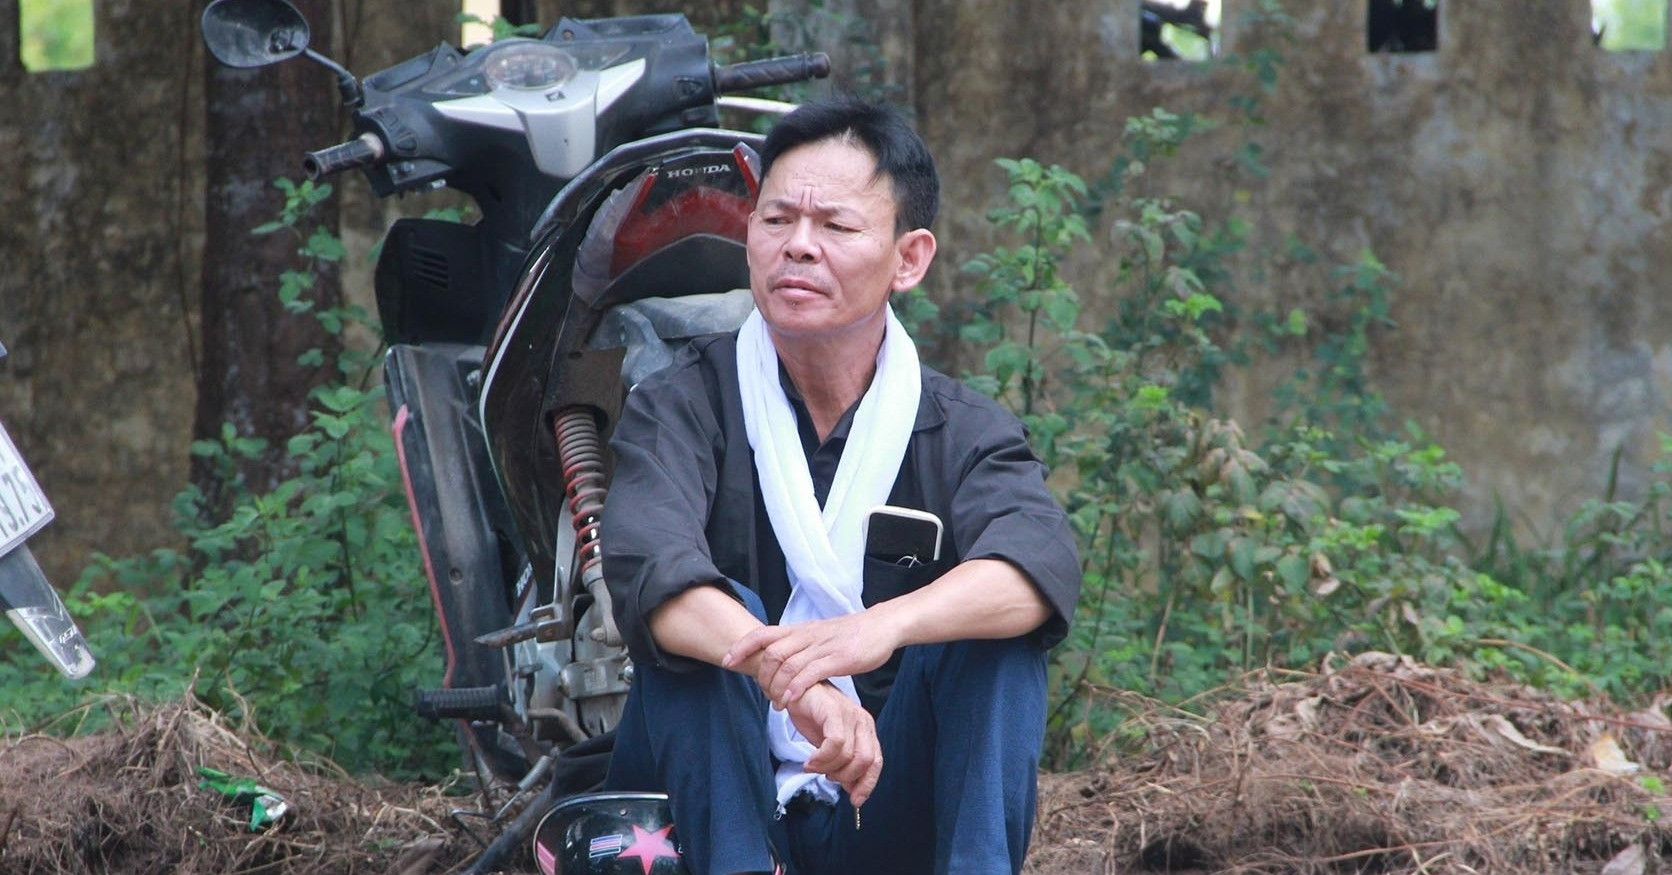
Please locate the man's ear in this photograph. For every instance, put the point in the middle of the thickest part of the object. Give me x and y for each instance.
(917, 250)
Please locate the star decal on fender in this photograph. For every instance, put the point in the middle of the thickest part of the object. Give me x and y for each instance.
(648, 847)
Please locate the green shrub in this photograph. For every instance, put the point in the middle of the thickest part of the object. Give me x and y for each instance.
(1206, 555)
(304, 610)
(1209, 553)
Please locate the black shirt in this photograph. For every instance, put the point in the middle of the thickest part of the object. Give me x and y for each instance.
(823, 457)
(684, 507)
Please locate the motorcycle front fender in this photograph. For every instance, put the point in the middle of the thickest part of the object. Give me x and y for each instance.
(30, 602)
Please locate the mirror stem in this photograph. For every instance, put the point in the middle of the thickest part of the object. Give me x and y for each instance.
(347, 86)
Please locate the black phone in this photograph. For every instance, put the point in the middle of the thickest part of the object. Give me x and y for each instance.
(902, 535)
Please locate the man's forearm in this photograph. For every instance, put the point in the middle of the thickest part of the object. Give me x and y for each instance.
(701, 623)
(980, 598)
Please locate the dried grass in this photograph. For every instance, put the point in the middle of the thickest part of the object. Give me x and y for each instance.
(127, 800)
(1374, 765)
(1377, 765)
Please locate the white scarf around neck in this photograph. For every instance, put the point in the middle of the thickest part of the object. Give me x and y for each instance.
(824, 550)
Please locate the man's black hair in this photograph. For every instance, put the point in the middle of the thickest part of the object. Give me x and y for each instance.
(901, 155)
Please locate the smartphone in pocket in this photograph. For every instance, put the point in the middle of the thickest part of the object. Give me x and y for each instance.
(902, 535)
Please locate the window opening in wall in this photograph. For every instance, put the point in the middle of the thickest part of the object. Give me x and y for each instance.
(1180, 29)
(55, 34)
(1629, 25)
(1403, 26)
(477, 17)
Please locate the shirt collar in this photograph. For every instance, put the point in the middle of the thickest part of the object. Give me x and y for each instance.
(929, 413)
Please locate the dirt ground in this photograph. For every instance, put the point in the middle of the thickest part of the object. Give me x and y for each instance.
(1376, 764)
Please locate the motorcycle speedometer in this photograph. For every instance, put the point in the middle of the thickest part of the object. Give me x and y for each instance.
(528, 66)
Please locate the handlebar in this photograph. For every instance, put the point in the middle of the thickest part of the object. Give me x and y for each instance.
(368, 150)
(772, 71)
(365, 150)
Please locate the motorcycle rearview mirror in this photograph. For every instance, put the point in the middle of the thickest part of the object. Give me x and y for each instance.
(257, 33)
(254, 33)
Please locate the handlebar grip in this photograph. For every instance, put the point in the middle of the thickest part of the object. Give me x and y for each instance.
(362, 151)
(772, 71)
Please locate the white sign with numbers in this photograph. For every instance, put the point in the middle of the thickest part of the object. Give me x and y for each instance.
(23, 506)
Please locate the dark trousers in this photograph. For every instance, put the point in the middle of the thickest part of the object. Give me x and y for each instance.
(961, 736)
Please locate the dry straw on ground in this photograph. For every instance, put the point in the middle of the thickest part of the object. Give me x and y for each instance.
(128, 800)
(1375, 765)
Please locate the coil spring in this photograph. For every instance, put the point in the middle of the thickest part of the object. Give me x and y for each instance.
(580, 450)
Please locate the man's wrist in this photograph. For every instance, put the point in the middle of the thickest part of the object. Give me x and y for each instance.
(749, 666)
(893, 620)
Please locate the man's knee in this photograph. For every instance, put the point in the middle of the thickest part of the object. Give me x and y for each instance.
(1008, 664)
(977, 693)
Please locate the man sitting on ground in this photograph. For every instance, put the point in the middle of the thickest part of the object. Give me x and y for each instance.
(779, 655)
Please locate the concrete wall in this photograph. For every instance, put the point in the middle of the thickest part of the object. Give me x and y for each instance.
(1518, 179)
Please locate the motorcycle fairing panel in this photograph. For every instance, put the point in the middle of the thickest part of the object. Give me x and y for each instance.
(684, 234)
(29, 601)
(557, 101)
(587, 311)
(612, 220)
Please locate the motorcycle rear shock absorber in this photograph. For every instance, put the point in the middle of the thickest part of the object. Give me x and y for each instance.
(580, 451)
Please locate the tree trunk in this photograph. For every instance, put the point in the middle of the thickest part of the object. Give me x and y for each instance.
(521, 12)
(259, 122)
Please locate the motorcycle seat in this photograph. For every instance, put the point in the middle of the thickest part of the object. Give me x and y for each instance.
(652, 330)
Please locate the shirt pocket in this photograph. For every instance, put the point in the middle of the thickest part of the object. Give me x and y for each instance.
(885, 580)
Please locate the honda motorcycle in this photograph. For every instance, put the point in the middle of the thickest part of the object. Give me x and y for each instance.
(26, 595)
(613, 213)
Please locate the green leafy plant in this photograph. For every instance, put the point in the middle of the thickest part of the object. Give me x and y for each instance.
(1205, 555)
(302, 609)
(1209, 552)
(1598, 597)
(760, 33)
(1335, 391)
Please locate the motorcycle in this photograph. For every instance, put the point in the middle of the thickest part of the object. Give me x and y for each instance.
(613, 211)
(26, 596)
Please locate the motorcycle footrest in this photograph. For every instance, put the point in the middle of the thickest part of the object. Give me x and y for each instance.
(459, 703)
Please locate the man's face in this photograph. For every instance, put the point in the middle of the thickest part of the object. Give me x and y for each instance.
(823, 255)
